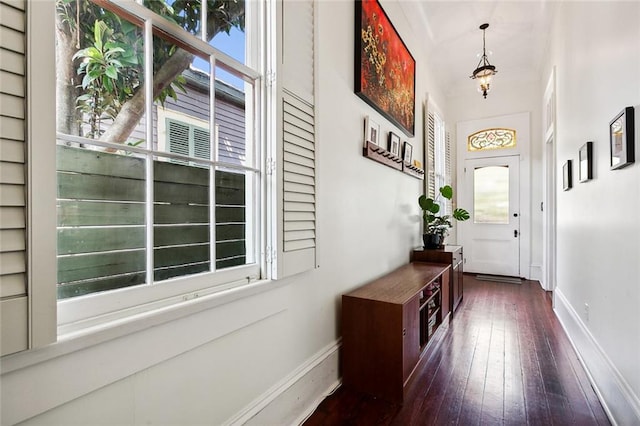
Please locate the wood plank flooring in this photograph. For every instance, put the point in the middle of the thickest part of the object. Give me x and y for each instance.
(505, 360)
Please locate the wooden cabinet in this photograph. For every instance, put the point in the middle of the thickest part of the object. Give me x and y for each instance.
(387, 326)
(453, 256)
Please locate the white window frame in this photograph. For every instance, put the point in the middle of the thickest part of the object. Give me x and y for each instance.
(82, 314)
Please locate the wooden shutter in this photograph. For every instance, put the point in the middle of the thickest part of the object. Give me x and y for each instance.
(299, 175)
(447, 169)
(296, 236)
(201, 144)
(187, 139)
(178, 137)
(27, 253)
(13, 262)
(431, 155)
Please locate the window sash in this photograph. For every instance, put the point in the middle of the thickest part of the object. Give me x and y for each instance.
(78, 313)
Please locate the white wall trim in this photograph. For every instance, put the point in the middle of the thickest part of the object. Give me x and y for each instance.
(294, 398)
(618, 399)
(535, 272)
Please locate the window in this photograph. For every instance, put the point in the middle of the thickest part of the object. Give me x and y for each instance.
(140, 226)
(491, 139)
(438, 159)
(158, 151)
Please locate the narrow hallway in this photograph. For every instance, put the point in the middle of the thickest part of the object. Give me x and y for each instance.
(504, 360)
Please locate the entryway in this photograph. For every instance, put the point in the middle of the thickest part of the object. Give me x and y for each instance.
(494, 183)
(492, 196)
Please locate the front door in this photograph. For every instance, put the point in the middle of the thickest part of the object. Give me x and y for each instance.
(491, 235)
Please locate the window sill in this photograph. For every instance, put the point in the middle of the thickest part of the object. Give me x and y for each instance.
(91, 336)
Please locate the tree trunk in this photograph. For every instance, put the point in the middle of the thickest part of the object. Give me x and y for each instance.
(133, 110)
(67, 117)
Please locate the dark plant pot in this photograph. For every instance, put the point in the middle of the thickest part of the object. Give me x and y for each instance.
(432, 241)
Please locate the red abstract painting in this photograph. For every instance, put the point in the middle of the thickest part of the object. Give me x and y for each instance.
(384, 68)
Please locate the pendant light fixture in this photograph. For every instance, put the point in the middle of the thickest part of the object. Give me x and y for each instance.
(484, 71)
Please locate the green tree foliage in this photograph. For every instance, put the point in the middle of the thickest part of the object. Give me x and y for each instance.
(107, 66)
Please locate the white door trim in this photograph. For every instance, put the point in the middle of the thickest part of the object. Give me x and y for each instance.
(549, 186)
(521, 123)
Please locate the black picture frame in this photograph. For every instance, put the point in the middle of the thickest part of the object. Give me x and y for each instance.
(585, 162)
(566, 176)
(384, 69)
(621, 139)
(394, 144)
(407, 153)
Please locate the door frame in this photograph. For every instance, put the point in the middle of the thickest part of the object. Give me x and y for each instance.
(521, 123)
(512, 162)
(549, 186)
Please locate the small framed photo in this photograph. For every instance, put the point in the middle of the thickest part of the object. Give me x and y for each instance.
(566, 176)
(394, 144)
(585, 162)
(621, 142)
(371, 132)
(408, 153)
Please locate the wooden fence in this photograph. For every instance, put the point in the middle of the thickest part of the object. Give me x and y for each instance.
(101, 220)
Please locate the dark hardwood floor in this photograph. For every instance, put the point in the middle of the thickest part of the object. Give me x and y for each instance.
(504, 360)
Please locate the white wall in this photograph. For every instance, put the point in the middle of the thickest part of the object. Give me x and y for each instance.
(596, 50)
(506, 100)
(218, 363)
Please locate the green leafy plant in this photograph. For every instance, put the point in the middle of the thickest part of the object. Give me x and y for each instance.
(108, 74)
(434, 223)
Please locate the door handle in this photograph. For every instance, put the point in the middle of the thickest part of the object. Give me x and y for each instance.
(515, 233)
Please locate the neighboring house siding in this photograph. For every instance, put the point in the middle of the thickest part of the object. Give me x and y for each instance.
(13, 287)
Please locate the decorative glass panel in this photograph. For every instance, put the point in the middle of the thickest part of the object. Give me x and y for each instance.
(491, 195)
(491, 139)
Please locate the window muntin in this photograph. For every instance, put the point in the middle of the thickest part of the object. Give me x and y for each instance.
(491, 139)
(491, 195)
(151, 245)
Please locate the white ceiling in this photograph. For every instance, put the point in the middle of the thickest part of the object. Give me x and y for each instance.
(516, 37)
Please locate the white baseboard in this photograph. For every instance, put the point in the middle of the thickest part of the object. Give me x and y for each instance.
(618, 399)
(292, 400)
(535, 272)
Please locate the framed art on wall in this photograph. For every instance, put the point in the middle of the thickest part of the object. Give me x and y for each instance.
(384, 70)
(394, 144)
(621, 140)
(585, 162)
(408, 153)
(371, 131)
(566, 176)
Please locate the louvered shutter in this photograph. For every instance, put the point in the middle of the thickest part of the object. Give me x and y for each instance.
(27, 292)
(447, 169)
(296, 236)
(431, 155)
(178, 137)
(13, 263)
(299, 176)
(201, 146)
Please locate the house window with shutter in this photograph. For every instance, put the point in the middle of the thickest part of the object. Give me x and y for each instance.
(159, 196)
(438, 155)
(155, 209)
(188, 140)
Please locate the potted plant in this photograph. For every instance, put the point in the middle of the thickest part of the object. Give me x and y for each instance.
(436, 227)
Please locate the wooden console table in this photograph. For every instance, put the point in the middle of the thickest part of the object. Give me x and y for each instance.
(387, 326)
